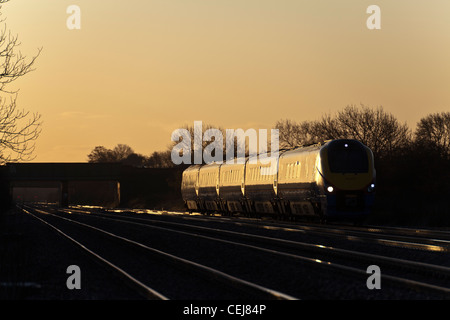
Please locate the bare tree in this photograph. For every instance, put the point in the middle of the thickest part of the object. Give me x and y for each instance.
(192, 140)
(374, 127)
(101, 154)
(135, 160)
(121, 152)
(18, 128)
(18, 132)
(292, 134)
(434, 131)
(160, 159)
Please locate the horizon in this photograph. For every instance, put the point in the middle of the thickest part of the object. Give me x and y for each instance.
(134, 73)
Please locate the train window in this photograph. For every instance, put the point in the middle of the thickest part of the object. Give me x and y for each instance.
(306, 169)
(348, 157)
(267, 173)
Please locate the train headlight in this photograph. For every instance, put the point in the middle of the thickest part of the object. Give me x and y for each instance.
(330, 189)
(371, 188)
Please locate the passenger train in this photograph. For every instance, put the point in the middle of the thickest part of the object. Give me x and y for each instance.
(334, 179)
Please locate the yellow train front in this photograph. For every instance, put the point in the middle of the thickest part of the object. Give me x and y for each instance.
(346, 178)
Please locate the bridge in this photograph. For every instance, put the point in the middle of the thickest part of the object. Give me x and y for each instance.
(104, 184)
(64, 183)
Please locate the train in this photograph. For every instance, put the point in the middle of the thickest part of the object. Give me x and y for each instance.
(334, 179)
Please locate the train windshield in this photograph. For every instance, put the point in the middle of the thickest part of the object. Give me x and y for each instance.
(347, 157)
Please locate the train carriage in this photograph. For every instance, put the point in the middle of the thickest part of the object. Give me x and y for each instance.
(208, 187)
(189, 187)
(260, 183)
(297, 181)
(232, 186)
(334, 179)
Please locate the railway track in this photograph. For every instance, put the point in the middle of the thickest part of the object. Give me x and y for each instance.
(230, 286)
(401, 276)
(422, 239)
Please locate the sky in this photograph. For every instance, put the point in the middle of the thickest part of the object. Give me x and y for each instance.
(137, 70)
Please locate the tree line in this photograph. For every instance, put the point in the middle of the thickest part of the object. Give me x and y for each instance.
(374, 127)
(123, 153)
(378, 129)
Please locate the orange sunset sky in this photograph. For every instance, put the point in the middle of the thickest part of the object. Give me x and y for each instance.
(137, 70)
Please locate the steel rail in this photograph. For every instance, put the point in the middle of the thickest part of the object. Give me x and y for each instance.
(327, 250)
(211, 273)
(420, 243)
(135, 284)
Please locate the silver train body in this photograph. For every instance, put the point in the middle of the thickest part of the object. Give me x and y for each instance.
(333, 179)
